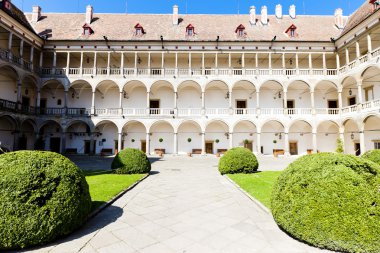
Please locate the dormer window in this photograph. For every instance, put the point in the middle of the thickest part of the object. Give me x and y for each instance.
(139, 30)
(190, 30)
(240, 31)
(375, 4)
(291, 31)
(87, 30)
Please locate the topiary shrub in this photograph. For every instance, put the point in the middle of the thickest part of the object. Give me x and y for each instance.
(330, 201)
(43, 196)
(373, 155)
(131, 161)
(238, 160)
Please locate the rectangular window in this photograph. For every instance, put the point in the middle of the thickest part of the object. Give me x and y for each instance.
(190, 32)
(138, 31)
(241, 33)
(377, 145)
(86, 31)
(292, 33)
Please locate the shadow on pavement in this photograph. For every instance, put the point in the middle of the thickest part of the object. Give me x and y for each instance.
(104, 218)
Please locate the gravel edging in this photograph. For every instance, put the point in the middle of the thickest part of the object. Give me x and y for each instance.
(110, 202)
(258, 203)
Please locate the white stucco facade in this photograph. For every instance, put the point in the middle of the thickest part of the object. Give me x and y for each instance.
(276, 98)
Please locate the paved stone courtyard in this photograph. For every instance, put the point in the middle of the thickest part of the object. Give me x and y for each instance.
(184, 206)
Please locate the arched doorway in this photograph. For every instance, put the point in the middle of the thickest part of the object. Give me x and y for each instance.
(272, 138)
(351, 137)
(300, 138)
(106, 136)
(78, 138)
(161, 138)
(245, 135)
(50, 137)
(8, 126)
(217, 137)
(134, 136)
(372, 132)
(327, 136)
(189, 137)
(27, 136)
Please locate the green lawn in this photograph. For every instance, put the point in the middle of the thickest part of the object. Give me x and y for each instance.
(104, 185)
(258, 185)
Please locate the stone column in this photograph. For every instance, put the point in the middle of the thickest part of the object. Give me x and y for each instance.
(258, 102)
(92, 146)
(340, 99)
(286, 144)
(21, 48)
(312, 97)
(362, 142)
(258, 137)
(121, 102)
(148, 103)
(19, 94)
(203, 143)
(203, 103)
(119, 140)
(357, 50)
(175, 99)
(360, 92)
(65, 100)
(147, 144)
(63, 142)
(175, 151)
(369, 45)
(231, 140)
(93, 103)
(315, 144)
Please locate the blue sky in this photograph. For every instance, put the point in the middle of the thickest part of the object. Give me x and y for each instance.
(324, 7)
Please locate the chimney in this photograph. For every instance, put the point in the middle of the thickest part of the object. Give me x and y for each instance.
(264, 15)
(339, 18)
(175, 15)
(292, 11)
(36, 14)
(278, 11)
(89, 14)
(252, 15)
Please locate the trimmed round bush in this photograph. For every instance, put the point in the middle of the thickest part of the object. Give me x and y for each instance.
(330, 201)
(43, 196)
(131, 161)
(238, 160)
(373, 155)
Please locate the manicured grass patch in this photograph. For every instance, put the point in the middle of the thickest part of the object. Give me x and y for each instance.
(259, 185)
(105, 185)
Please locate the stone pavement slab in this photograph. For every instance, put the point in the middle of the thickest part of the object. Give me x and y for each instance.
(184, 206)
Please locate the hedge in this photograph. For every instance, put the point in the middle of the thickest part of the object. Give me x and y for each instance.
(43, 196)
(238, 160)
(131, 161)
(330, 201)
(373, 155)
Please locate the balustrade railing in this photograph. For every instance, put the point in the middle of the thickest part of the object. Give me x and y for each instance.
(6, 55)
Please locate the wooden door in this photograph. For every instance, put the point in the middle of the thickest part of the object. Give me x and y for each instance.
(290, 106)
(357, 149)
(332, 104)
(351, 101)
(241, 105)
(293, 148)
(209, 147)
(55, 145)
(143, 146)
(43, 104)
(249, 145)
(154, 105)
